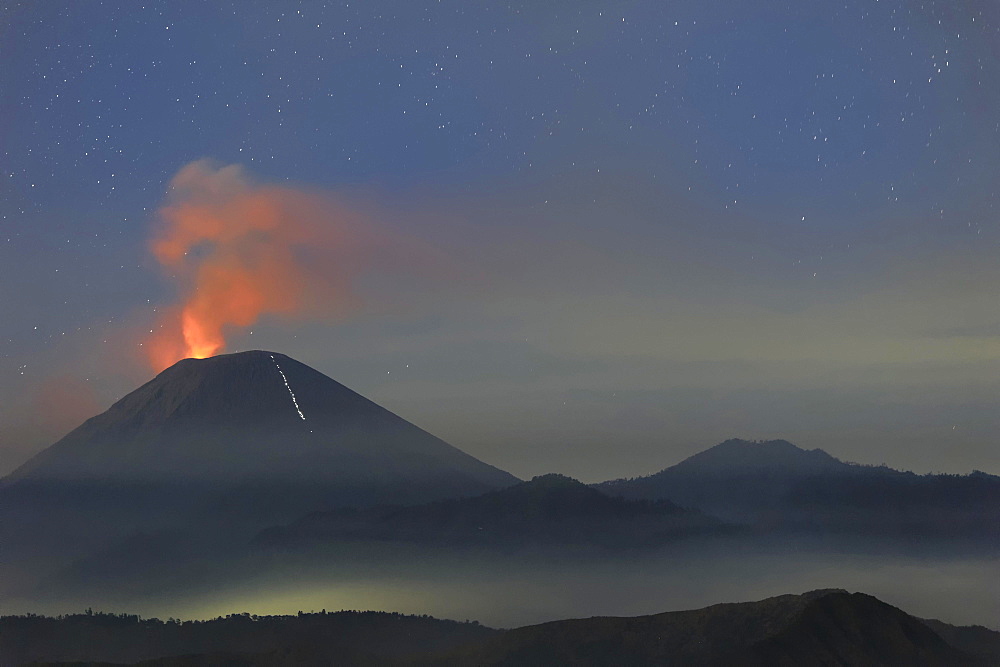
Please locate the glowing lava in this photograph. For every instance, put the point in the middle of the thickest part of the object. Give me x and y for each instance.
(200, 343)
(288, 387)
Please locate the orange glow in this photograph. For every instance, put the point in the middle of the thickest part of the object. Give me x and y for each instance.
(240, 251)
(201, 342)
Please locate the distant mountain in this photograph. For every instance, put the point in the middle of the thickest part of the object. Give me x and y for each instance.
(259, 419)
(739, 480)
(772, 456)
(828, 627)
(776, 484)
(548, 510)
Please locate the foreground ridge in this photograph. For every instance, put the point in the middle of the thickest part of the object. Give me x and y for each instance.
(819, 627)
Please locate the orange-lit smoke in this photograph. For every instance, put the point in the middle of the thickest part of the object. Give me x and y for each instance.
(239, 251)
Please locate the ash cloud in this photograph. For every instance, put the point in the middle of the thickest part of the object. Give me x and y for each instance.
(241, 250)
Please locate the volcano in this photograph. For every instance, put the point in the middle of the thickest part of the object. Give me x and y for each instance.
(260, 419)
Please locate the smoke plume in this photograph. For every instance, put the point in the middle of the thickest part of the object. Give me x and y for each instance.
(240, 250)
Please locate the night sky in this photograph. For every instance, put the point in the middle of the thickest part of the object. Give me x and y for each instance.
(584, 237)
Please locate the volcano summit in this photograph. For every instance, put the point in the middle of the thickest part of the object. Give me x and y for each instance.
(260, 418)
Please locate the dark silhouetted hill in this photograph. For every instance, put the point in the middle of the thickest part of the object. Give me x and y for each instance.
(550, 509)
(827, 627)
(818, 628)
(775, 484)
(341, 638)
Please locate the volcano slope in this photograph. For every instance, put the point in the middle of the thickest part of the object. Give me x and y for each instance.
(223, 447)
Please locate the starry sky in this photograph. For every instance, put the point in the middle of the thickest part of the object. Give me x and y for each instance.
(621, 232)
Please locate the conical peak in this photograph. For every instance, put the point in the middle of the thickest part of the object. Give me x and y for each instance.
(254, 414)
(249, 384)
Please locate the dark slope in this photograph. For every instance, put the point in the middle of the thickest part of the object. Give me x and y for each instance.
(776, 484)
(550, 509)
(973, 639)
(233, 418)
(819, 628)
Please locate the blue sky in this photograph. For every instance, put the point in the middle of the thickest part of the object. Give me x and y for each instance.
(661, 224)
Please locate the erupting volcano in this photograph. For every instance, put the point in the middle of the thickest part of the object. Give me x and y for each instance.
(240, 250)
(260, 418)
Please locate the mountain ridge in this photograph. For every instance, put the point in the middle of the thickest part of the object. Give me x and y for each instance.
(546, 510)
(776, 485)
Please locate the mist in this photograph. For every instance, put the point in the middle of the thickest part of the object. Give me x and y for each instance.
(516, 589)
